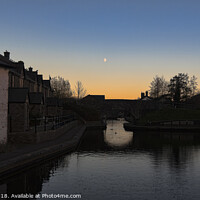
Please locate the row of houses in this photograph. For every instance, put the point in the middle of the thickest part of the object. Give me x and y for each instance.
(24, 95)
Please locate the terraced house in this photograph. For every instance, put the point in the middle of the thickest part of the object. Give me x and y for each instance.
(23, 93)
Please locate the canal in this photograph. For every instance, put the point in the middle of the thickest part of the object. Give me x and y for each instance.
(119, 165)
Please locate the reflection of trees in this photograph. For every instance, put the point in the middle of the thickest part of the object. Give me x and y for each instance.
(175, 150)
(30, 182)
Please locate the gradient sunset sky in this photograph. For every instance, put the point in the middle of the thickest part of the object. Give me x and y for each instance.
(71, 38)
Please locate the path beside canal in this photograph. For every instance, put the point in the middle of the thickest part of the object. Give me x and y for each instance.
(30, 154)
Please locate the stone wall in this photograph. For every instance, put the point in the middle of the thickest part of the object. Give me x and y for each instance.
(30, 137)
(36, 110)
(52, 134)
(51, 110)
(4, 81)
(18, 117)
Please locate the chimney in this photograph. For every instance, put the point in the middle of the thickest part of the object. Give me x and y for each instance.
(7, 55)
(142, 95)
(21, 63)
(146, 93)
(30, 69)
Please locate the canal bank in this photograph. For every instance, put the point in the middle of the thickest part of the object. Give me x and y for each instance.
(173, 129)
(30, 154)
(59, 142)
(116, 164)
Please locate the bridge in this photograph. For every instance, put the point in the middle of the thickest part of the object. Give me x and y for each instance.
(114, 108)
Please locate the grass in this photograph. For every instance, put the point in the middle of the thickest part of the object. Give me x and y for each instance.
(170, 114)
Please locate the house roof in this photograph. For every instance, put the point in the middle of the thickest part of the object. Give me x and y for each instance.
(17, 95)
(5, 66)
(6, 60)
(96, 97)
(15, 67)
(146, 98)
(36, 98)
(31, 75)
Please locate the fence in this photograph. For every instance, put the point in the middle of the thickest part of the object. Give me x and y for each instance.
(50, 123)
(176, 123)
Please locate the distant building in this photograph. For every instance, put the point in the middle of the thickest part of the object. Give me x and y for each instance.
(145, 96)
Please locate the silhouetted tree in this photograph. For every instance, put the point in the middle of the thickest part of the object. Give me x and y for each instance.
(158, 87)
(179, 87)
(193, 85)
(80, 91)
(61, 87)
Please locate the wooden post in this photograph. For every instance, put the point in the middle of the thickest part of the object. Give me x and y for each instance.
(45, 124)
(35, 125)
(53, 123)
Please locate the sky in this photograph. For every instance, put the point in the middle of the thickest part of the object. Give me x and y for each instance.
(114, 47)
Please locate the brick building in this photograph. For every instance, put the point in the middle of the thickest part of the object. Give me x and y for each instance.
(36, 105)
(18, 109)
(23, 92)
(4, 84)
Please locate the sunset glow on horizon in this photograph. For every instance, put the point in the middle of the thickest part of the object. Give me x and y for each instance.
(114, 50)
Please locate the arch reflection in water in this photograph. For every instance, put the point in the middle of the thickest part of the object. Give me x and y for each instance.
(113, 138)
(115, 135)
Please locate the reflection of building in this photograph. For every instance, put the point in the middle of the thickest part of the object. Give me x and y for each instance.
(32, 180)
(27, 92)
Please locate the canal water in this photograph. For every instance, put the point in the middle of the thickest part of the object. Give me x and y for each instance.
(119, 165)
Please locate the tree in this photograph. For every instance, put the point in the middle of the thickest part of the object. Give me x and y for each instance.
(61, 87)
(80, 91)
(193, 85)
(179, 87)
(158, 87)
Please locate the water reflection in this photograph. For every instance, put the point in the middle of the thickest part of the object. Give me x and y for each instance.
(32, 180)
(116, 164)
(115, 135)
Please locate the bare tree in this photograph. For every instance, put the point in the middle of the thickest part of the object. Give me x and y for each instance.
(61, 87)
(158, 87)
(193, 85)
(80, 91)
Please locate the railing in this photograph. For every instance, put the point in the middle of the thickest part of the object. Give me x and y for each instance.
(176, 123)
(50, 123)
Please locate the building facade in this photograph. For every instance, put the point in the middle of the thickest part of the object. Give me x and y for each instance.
(4, 82)
(22, 91)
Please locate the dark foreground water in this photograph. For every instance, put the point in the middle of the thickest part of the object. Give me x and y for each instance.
(118, 165)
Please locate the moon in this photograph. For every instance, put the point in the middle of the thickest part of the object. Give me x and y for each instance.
(105, 60)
